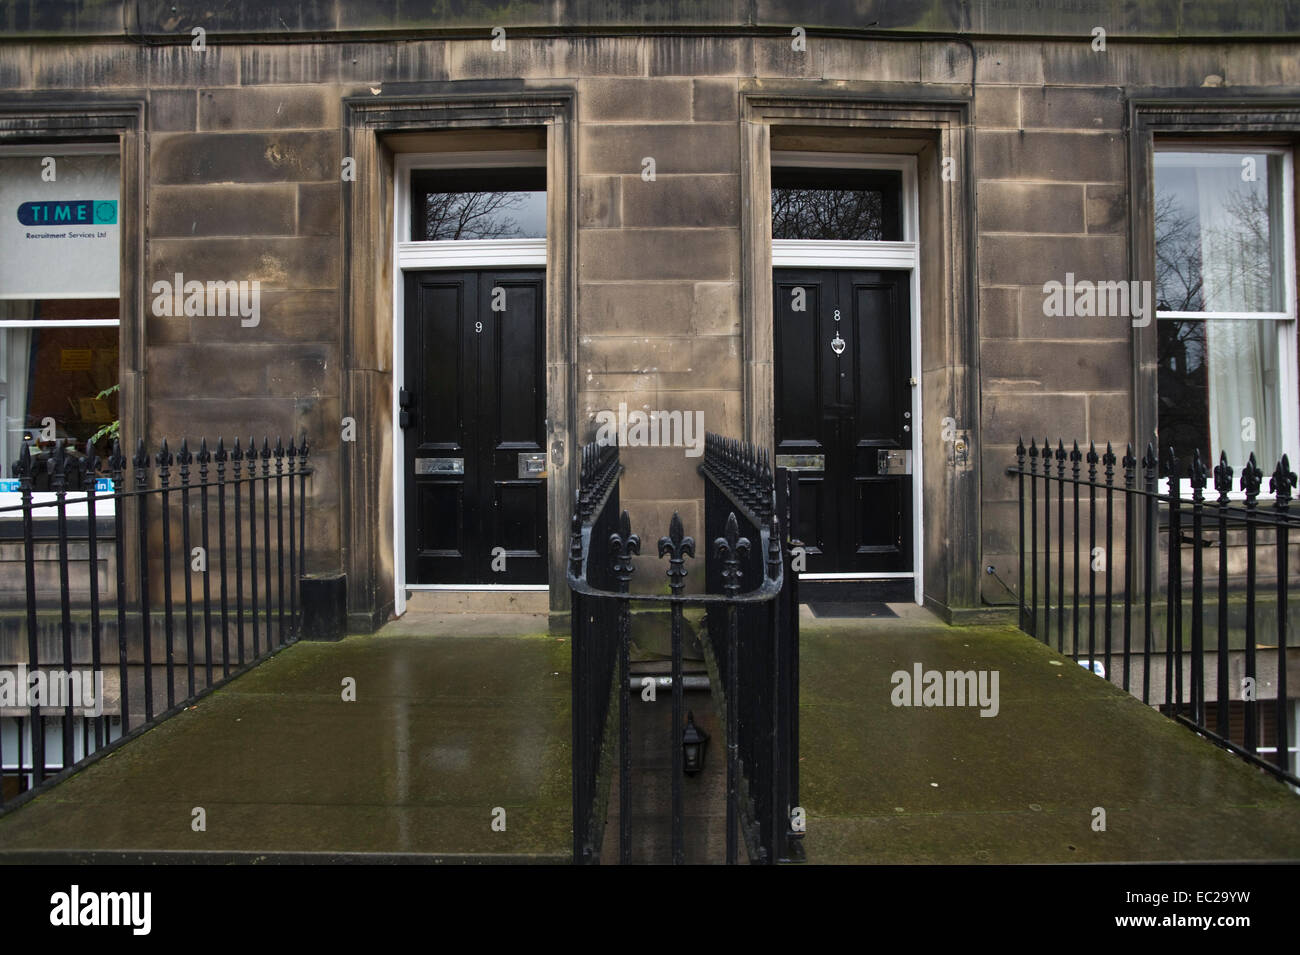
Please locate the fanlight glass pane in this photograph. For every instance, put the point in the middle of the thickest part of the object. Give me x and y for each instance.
(837, 204)
(505, 203)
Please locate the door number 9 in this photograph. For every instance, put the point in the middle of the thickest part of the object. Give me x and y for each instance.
(478, 326)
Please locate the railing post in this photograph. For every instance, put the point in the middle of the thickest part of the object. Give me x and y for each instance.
(1020, 500)
(1130, 502)
(1033, 537)
(184, 459)
(90, 471)
(1222, 484)
(1198, 475)
(1076, 458)
(1108, 460)
(677, 546)
(117, 468)
(164, 460)
(623, 546)
(141, 465)
(57, 465)
(1149, 466)
(1280, 484)
(731, 547)
(204, 458)
(1174, 591)
(1251, 478)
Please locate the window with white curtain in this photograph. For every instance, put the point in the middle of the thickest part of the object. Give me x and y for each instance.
(1225, 304)
(59, 314)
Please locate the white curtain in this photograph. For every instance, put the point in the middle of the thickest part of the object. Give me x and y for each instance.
(15, 362)
(1237, 272)
(1243, 369)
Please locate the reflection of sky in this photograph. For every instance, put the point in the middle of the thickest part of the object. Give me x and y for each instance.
(530, 214)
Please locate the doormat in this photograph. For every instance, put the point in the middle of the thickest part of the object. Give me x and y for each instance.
(850, 608)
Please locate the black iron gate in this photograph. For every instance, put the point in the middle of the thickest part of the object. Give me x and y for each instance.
(749, 589)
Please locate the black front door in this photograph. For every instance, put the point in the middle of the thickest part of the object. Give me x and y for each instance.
(843, 414)
(473, 413)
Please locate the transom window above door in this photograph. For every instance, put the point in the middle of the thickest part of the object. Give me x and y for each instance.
(853, 205)
(507, 202)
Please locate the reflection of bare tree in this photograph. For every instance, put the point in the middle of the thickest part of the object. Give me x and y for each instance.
(471, 215)
(1178, 257)
(827, 214)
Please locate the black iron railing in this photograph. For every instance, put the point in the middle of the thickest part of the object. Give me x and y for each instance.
(757, 684)
(1192, 591)
(166, 625)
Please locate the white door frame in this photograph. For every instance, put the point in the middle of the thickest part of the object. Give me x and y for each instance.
(422, 256)
(899, 256)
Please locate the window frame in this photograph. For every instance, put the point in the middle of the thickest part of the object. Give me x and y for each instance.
(1285, 322)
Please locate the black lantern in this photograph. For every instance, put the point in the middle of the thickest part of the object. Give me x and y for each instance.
(694, 741)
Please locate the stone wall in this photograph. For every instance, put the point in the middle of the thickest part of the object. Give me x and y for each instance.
(242, 181)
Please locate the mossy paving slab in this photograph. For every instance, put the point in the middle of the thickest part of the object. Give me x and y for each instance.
(942, 784)
(443, 731)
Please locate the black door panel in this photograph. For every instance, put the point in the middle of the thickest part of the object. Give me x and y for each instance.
(475, 401)
(843, 371)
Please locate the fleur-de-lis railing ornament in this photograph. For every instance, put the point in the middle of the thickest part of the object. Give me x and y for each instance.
(23, 467)
(1198, 473)
(623, 545)
(141, 465)
(57, 467)
(164, 459)
(1223, 477)
(184, 458)
(1171, 471)
(1149, 461)
(731, 547)
(1281, 482)
(1251, 479)
(204, 457)
(89, 466)
(678, 547)
(117, 466)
